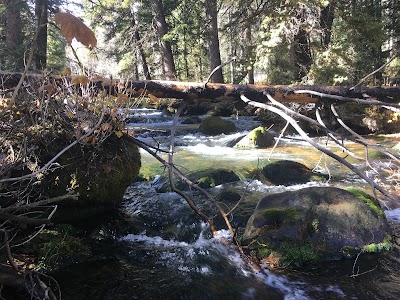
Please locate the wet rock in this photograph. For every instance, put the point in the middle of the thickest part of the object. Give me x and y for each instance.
(286, 172)
(317, 223)
(257, 138)
(204, 178)
(215, 125)
(100, 173)
(191, 120)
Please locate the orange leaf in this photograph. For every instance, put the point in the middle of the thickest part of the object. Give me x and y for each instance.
(79, 79)
(121, 99)
(153, 98)
(66, 72)
(47, 88)
(72, 27)
(106, 127)
(118, 133)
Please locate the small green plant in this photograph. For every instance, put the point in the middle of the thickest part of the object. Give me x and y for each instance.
(60, 245)
(386, 245)
(298, 254)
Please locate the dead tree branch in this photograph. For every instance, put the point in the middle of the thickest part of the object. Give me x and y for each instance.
(319, 147)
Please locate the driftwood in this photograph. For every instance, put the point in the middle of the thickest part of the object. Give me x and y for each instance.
(219, 92)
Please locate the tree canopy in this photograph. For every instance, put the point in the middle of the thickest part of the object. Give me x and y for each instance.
(272, 42)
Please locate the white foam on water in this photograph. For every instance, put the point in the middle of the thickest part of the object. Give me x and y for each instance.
(295, 290)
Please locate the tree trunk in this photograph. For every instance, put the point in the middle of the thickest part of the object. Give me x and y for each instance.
(41, 8)
(166, 50)
(13, 33)
(231, 92)
(302, 53)
(249, 53)
(326, 22)
(140, 48)
(213, 40)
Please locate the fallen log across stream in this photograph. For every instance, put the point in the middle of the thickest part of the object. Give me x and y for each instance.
(386, 95)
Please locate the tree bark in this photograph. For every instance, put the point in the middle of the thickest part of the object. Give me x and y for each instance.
(140, 48)
(13, 33)
(302, 53)
(213, 40)
(326, 21)
(230, 92)
(249, 53)
(166, 50)
(41, 8)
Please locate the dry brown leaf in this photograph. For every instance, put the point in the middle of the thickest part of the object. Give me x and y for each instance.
(119, 133)
(121, 99)
(66, 72)
(106, 127)
(72, 27)
(153, 98)
(79, 79)
(51, 89)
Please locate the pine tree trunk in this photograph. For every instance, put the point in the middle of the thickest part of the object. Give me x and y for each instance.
(166, 50)
(141, 50)
(213, 40)
(41, 7)
(13, 33)
(326, 21)
(249, 53)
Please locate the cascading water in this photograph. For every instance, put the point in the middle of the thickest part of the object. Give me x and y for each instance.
(169, 237)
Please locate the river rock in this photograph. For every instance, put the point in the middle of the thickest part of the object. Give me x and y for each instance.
(257, 138)
(100, 173)
(215, 125)
(316, 223)
(286, 172)
(204, 178)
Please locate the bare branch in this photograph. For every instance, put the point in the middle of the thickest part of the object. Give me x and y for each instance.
(317, 146)
(346, 99)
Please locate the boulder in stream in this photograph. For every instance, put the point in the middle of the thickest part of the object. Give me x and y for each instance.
(257, 138)
(100, 173)
(215, 125)
(314, 224)
(287, 172)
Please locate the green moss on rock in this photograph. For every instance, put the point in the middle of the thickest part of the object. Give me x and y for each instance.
(367, 199)
(257, 138)
(99, 173)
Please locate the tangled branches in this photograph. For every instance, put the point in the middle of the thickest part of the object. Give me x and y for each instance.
(36, 121)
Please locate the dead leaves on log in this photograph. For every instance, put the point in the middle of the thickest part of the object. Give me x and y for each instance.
(72, 27)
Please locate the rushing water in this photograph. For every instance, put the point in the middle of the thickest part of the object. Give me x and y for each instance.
(168, 253)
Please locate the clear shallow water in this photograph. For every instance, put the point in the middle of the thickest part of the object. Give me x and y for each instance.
(173, 255)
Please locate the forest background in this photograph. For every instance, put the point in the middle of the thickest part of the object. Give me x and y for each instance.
(274, 42)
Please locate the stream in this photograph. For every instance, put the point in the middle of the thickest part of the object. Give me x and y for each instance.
(167, 252)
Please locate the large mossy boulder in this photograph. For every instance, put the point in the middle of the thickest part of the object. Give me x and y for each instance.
(204, 178)
(317, 223)
(257, 138)
(286, 172)
(100, 173)
(215, 125)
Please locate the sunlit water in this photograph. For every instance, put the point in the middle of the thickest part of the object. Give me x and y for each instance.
(170, 242)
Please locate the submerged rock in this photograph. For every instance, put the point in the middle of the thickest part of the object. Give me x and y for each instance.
(215, 125)
(257, 138)
(286, 172)
(317, 223)
(204, 178)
